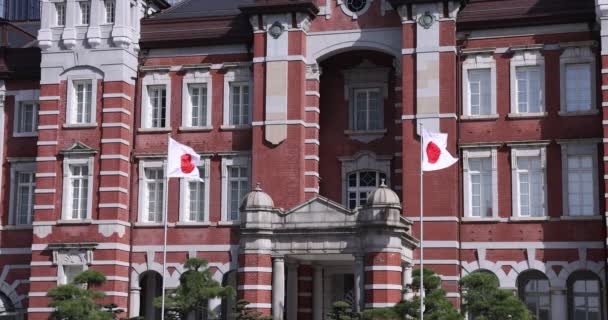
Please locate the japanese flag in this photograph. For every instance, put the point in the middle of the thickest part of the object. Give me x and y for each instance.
(434, 154)
(182, 161)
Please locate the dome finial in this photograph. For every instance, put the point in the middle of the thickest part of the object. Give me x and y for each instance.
(258, 186)
(383, 183)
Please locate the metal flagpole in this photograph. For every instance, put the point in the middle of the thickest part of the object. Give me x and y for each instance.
(165, 215)
(421, 226)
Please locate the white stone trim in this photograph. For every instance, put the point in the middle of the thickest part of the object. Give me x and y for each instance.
(523, 59)
(114, 173)
(255, 287)
(579, 147)
(384, 268)
(473, 62)
(158, 78)
(527, 151)
(256, 269)
(114, 189)
(227, 161)
(115, 125)
(114, 157)
(48, 127)
(116, 110)
(116, 95)
(236, 75)
(380, 286)
(48, 112)
(66, 213)
(574, 55)
(142, 212)
(121, 141)
(47, 143)
(196, 77)
(185, 193)
(468, 154)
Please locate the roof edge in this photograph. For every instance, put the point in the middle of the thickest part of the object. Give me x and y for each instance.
(280, 7)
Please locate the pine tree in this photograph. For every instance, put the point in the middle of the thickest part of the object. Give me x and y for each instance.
(243, 312)
(342, 310)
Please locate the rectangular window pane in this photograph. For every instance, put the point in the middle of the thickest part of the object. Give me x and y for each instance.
(531, 186)
(480, 101)
(24, 197)
(578, 87)
(27, 118)
(79, 177)
(368, 109)
(580, 185)
(157, 96)
(154, 179)
(60, 13)
(198, 105)
(238, 184)
(529, 92)
(480, 187)
(83, 91)
(110, 11)
(85, 12)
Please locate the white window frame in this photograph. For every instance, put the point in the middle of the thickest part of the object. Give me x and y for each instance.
(67, 189)
(354, 15)
(81, 17)
(228, 161)
(25, 96)
(59, 21)
(530, 150)
(236, 75)
(354, 109)
(527, 59)
(477, 153)
(476, 62)
(73, 104)
(109, 13)
(15, 169)
(365, 76)
(363, 161)
(577, 55)
(196, 78)
(155, 79)
(142, 207)
(184, 212)
(573, 148)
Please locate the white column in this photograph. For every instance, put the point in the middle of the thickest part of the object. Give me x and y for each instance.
(215, 305)
(359, 283)
(121, 33)
(135, 299)
(317, 293)
(292, 291)
(278, 288)
(559, 305)
(94, 32)
(407, 281)
(72, 12)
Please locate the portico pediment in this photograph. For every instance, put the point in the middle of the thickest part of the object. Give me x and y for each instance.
(318, 212)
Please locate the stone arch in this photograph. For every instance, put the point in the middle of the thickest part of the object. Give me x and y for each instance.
(355, 45)
(85, 70)
(488, 266)
(12, 295)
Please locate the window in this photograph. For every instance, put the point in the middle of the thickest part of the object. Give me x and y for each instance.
(194, 196)
(578, 87)
(152, 191)
(239, 103)
(85, 12)
(534, 292)
(198, 105)
(480, 185)
(77, 188)
(368, 107)
(60, 13)
(23, 183)
(579, 179)
(26, 120)
(480, 95)
(361, 184)
(529, 93)
(20, 10)
(81, 109)
(584, 291)
(157, 96)
(236, 175)
(70, 272)
(110, 10)
(529, 182)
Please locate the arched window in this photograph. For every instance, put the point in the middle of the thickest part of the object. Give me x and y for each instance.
(229, 303)
(361, 184)
(533, 288)
(151, 287)
(584, 296)
(7, 310)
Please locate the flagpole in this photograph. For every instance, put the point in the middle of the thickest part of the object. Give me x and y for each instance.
(165, 214)
(421, 226)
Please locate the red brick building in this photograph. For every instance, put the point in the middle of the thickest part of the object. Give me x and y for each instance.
(317, 103)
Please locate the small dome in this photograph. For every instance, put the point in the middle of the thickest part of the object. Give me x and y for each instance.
(257, 199)
(383, 196)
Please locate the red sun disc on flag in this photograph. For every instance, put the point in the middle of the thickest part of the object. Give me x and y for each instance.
(432, 153)
(186, 163)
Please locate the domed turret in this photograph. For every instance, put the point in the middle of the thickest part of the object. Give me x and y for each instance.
(256, 200)
(383, 196)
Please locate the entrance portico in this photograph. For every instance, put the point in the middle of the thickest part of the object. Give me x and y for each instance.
(298, 262)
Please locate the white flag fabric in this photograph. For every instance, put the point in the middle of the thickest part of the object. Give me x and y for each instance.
(434, 153)
(182, 161)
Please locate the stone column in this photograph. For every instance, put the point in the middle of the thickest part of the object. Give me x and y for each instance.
(559, 304)
(317, 293)
(359, 282)
(134, 298)
(292, 291)
(407, 280)
(383, 279)
(278, 288)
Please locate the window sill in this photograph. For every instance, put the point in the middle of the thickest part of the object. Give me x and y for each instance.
(234, 223)
(73, 222)
(578, 113)
(80, 126)
(154, 130)
(529, 219)
(195, 129)
(25, 134)
(365, 136)
(581, 218)
(187, 224)
(479, 117)
(531, 115)
(16, 227)
(480, 220)
(235, 127)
